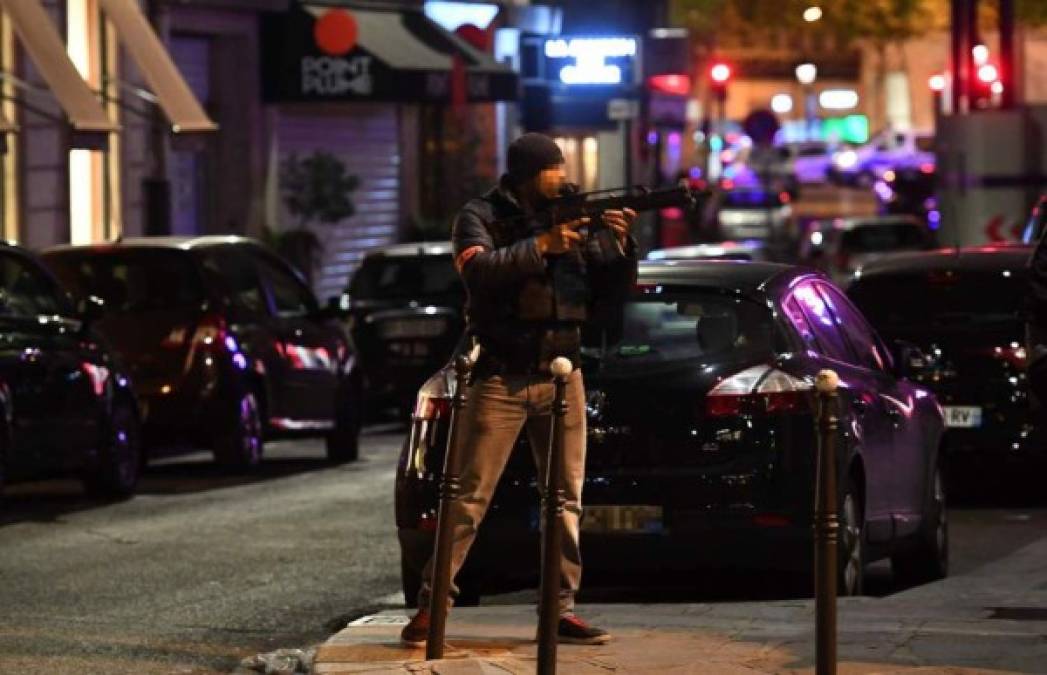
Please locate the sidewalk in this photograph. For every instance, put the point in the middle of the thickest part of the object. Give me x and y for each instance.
(990, 621)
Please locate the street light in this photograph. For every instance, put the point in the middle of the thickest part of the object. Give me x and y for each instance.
(812, 14)
(806, 74)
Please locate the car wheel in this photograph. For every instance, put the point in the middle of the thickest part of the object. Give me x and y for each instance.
(118, 465)
(850, 573)
(929, 560)
(240, 447)
(343, 442)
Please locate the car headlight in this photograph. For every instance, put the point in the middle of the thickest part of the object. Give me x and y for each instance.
(848, 159)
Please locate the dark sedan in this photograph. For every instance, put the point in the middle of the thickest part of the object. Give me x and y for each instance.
(405, 303)
(701, 439)
(225, 343)
(65, 403)
(962, 307)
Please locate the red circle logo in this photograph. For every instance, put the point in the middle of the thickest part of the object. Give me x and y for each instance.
(335, 32)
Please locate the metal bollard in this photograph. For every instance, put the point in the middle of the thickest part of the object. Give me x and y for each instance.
(552, 513)
(450, 487)
(826, 524)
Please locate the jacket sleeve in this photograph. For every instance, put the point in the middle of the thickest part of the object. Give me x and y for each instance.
(484, 268)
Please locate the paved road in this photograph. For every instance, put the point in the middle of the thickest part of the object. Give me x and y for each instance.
(202, 569)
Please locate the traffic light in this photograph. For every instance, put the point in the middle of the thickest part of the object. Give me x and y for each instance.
(720, 75)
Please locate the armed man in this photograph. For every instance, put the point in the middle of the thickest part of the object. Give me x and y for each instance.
(531, 283)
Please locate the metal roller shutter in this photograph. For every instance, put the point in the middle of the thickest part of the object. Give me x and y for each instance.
(366, 138)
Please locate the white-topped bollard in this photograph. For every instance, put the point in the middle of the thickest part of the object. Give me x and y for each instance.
(552, 514)
(826, 525)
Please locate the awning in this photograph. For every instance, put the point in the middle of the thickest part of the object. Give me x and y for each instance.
(344, 52)
(173, 95)
(38, 35)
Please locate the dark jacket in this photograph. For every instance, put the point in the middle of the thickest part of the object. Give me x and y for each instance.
(523, 308)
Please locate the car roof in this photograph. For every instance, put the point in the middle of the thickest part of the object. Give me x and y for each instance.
(420, 248)
(717, 248)
(757, 279)
(970, 258)
(852, 222)
(182, 243)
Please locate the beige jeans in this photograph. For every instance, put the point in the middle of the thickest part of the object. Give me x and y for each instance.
(497, 409)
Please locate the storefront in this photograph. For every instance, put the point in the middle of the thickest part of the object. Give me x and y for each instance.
(352, 80)
(81, 107)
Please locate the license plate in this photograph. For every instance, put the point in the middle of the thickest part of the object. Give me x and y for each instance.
(412, 328)
(963, 416)
(623, 519)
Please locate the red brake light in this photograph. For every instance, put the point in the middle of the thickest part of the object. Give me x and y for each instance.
(757, 390)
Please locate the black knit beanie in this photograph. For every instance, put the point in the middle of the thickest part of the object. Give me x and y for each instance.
(530, 154)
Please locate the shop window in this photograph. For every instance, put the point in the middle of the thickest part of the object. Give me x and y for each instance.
(581, 155)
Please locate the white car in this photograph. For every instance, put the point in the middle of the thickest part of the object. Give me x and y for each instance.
(747, 249)
(889, 149)
(754, 213)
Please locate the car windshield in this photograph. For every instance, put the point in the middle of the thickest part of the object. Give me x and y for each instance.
(383, 277)
(752, 199)
(131, 280)
(876, 237)
(940, 299)
(686, 324)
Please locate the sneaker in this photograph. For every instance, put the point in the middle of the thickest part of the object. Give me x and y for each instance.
(416, 632)
(573, 630)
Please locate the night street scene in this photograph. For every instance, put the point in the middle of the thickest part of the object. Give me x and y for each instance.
(523, 336)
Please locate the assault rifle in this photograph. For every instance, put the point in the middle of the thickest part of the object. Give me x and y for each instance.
(572, 204)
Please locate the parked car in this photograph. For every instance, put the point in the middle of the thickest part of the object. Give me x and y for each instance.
(701, 440)
(963, 307)
(225, 342)
(889, 149)
(65, 402)
(754, 213)
(746, 249)
(841, 245)
(909, 191)
(406, 314)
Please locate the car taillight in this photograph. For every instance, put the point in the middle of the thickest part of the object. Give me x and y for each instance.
(210, 330)
(431, 407)
(1013, 354)
(758, 390)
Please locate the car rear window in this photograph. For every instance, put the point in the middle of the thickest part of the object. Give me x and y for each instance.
(131, 280)
(685, 324)
(406, 276)
(941, 299)
(884, 237)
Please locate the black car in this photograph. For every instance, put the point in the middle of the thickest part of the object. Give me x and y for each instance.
(225, 342)
(963, 308)
(701, 442)
(405, 303)
(65, 402)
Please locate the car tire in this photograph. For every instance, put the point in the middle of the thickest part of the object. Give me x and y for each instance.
(118, 466)
(929, 559)
(240, 447)
(850, 573)
(343, 442)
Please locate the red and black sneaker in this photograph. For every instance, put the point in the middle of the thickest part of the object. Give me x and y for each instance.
(416, 632)
(573, 630)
